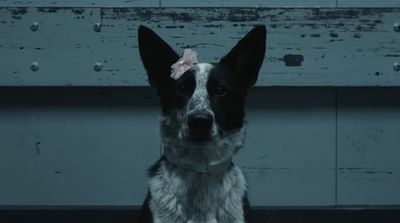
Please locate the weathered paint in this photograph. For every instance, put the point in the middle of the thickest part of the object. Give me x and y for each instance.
(248, 3)
(340, 47)
(74, 146)
(289, 155)
(368, 146)
(92, 146)
(200, 3)
(304, 146)
(306, 32)
(368, 3)
(293, 60)
(64, 46)
(168, 3)
(79, 3)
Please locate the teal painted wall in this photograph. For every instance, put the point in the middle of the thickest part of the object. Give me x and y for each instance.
(339, 46)
(304, 146)
(325, 136)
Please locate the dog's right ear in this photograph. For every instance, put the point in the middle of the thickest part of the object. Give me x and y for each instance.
(246, 58)
(157, 57)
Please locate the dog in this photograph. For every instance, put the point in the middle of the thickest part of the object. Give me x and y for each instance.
(202, 119)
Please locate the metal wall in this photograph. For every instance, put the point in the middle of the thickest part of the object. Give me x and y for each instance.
(79, 126)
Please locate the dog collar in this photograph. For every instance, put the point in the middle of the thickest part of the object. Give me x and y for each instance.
(212, 169)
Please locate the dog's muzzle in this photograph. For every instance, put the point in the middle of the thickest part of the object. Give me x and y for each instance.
(200, 125)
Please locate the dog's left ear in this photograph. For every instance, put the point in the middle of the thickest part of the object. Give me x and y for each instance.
(246, 58)
(157, 57)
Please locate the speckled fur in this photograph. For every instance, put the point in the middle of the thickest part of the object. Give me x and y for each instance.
(181, 196)
(216, 93)
(174, 128)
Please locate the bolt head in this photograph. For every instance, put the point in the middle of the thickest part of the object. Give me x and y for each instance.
(34, 26)
(396, 27)
(98, 66)
(396, 66)
(97, 27)
(34, 66)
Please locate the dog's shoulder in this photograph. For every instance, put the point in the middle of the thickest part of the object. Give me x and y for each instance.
(248, 216)
(145, 215)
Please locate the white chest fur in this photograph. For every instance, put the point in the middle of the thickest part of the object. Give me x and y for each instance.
(180, 196)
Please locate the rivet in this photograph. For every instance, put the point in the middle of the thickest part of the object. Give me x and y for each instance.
(98, 66)
(34, 26)
(396, 66)
(34, 66)
(97, 27)
(396, 27)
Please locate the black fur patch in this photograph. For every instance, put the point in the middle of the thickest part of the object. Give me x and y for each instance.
(229, 107)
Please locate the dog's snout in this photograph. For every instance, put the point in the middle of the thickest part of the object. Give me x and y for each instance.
(200, 122)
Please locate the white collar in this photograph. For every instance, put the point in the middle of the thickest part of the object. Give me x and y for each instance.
(215, 169)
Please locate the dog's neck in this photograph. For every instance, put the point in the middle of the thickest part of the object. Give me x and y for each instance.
(211, 159)
(213, 169)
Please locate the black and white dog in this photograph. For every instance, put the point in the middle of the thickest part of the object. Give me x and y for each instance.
(202, 129)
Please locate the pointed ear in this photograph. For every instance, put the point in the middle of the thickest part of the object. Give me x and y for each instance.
(246, 58)
(157, 56)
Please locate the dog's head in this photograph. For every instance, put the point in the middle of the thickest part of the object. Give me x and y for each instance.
(203, 110)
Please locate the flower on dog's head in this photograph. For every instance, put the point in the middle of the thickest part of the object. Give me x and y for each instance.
(184, 63)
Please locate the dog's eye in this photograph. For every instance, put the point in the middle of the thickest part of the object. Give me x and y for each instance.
(220, 91)
(181, 89)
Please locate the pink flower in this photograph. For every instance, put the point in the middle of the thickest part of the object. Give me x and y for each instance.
(185, 63)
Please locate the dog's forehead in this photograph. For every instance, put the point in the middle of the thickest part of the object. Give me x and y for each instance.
(199, 98)
(202, 71)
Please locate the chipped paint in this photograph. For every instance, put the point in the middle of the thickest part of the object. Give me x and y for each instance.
(293, 60)
(80, 3)
(324, 36)
(37, 148)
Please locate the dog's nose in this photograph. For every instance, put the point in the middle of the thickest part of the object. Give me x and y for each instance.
(200, 122)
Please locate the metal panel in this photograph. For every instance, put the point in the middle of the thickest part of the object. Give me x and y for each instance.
(361, 41)
(64, 46)
(92, 146)
(368, 146)
(79, 3)
(289, 157)
(339, 47)
(76, 146)
(369, 3)
(248, 3)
